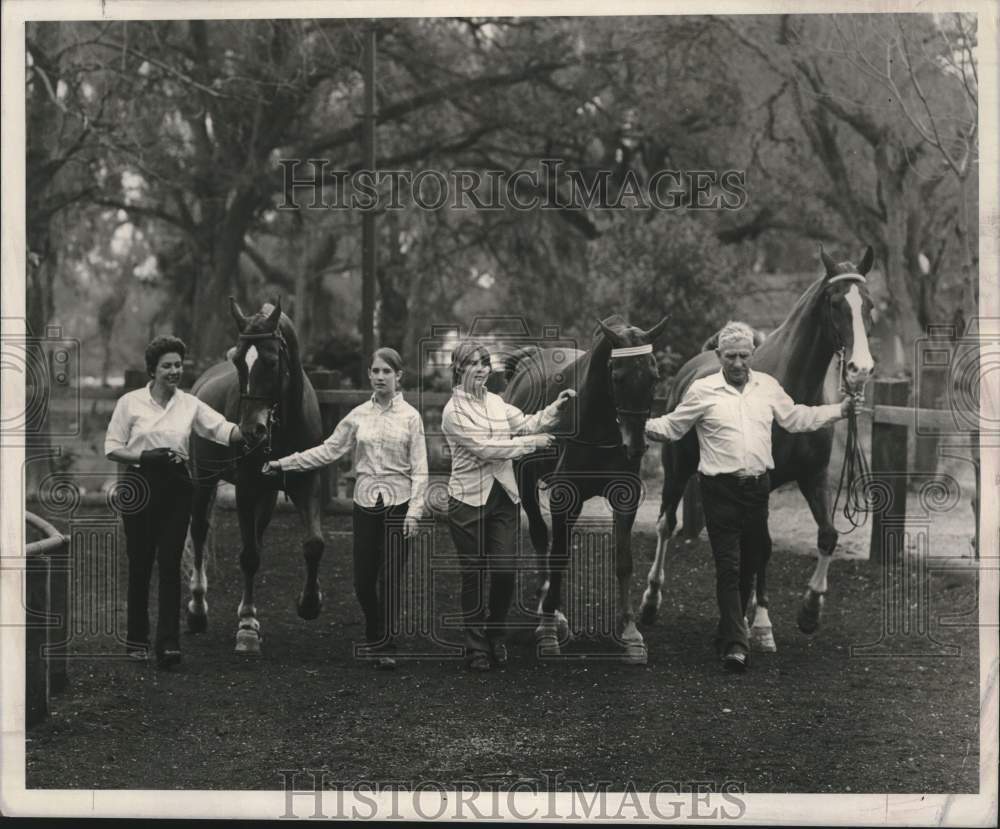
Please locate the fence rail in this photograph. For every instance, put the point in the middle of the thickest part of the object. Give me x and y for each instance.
(891, 418)
(46, 601)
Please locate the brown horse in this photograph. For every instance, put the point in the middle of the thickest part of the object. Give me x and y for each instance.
(265, 390)
(602, 440)
(832, 318)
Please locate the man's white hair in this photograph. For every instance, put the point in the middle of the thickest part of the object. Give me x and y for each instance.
(735, 331)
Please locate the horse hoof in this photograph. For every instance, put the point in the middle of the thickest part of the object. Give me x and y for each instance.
(546, 641)
(563, 633)
(547, 647)
(762, 639)
(248, 642)
(309, 607)
(197, 622)
(636, 653)
(811, 610)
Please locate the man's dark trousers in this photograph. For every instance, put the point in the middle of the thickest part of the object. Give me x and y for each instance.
(736, 518)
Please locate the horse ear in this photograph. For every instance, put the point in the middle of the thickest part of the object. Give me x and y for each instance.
(275, 316)
(867, 261)
(828, 263)
(611, 335)
(238, 315)
(657, 330)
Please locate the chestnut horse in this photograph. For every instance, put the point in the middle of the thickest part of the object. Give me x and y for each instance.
(264, 389)
(830, 320)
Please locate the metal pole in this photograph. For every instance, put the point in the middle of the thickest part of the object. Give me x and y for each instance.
(368, 252)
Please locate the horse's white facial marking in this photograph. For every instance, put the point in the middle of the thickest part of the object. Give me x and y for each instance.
(860, 355)
(251, 356)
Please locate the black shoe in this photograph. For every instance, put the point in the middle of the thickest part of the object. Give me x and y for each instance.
(138, 655)
(385, 663)
(737, 659)
(499, 653)
(479, 662)
(168, 658)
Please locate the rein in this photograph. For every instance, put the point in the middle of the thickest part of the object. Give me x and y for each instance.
(855, 466)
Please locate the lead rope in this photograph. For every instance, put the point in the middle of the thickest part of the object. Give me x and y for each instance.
(855, 466)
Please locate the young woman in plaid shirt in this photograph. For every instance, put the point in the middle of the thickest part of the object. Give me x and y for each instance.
(386, 436)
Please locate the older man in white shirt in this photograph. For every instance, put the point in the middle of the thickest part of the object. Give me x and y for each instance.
(733, 412)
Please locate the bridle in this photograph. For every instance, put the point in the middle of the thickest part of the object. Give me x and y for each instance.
(619, 353)
(855, 466)
(275, 411)
(839, 346)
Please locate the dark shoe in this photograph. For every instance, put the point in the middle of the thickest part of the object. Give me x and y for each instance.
(169, 658)
(480, 662)
(385, 663)
(736, 660)
(499, 651)
(138, 655)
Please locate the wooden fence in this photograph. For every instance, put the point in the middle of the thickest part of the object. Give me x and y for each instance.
(47, 610)
(892, 419)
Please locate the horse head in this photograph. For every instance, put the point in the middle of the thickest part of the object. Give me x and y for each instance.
(632, 376)
(262, 361)
(848, 317)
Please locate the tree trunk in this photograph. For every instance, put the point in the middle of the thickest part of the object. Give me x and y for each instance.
(38, 450)
(218, 275)
(899, 279)
(393, 276)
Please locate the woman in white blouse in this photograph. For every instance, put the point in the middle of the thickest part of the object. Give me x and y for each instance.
(482, 503)
(386, 435)
(149, 433)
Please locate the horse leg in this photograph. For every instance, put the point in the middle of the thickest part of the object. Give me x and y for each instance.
(539, 533)
(761, 630)
(202, 504)
(248, 508)
(818, 497)
(306, 497)
(635, 647)
(666, 524)
(547, 632)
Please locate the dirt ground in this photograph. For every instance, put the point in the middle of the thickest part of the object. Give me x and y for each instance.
(824, 714)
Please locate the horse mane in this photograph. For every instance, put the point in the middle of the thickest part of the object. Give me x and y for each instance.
(799, 319)
(785, 344)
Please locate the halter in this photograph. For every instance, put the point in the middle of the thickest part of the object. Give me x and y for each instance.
(840, 347)
(616, 353)
(631, 351)
(275, 412)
